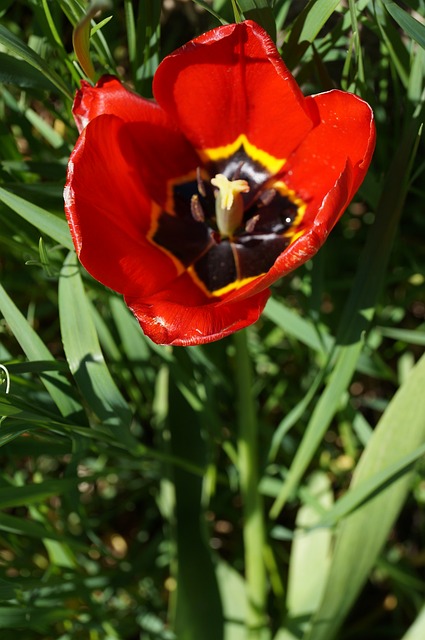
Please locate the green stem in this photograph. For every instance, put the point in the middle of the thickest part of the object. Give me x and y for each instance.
(254, 528)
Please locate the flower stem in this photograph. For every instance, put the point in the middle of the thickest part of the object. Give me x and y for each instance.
(254, 527)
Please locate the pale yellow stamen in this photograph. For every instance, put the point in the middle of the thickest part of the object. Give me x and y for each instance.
(229, 203)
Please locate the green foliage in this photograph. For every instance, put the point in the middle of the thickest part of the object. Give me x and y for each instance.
(123, 463)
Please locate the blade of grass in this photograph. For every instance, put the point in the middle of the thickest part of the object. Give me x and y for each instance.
(254, 533)
(46, 222)
(84, 355)
(408, 23)
(21, 50)
(261, 12)
(34, 348)
(296, 326)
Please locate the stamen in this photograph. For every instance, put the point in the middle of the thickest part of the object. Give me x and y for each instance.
(267, 196)
(200, 182)
(250, 225)
(229, 203)
(196, 209)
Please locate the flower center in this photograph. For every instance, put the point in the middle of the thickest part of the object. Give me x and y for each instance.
(229, 205)
(226, 223)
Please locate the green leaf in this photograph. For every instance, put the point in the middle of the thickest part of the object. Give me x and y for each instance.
(14, 496)
(310, 556)
(314, 17)
(408, 23)
(362, 534)
(32, 618)
(34, 348)
(20, 73)
(46, 222)
(21, 50)
(260, 11)
(83, 353)
(198, 609)
(297, 327)
(233, 596)
(417, 630)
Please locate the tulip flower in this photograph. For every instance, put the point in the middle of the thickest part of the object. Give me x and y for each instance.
(192, 204)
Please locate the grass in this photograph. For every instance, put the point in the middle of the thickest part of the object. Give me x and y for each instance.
(124, 485)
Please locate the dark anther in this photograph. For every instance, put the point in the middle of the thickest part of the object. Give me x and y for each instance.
(267, 196)
(196, 209)
(237, 172)
(250, 225)
(200, 182)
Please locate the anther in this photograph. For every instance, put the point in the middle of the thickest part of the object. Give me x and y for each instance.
(267, 196)
(196, 209)
(251, 223)
(200, 182)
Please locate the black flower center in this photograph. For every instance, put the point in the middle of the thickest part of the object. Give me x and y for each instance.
(227, 222)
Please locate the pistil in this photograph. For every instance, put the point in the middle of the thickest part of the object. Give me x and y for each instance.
(229, 206)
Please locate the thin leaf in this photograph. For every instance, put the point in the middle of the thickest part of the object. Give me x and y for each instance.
(46, 222)
(261, 12)
(21, 50)
(56, 384)
(408, 23)
(83, 352)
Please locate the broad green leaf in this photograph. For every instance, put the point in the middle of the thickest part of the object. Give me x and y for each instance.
(309, 560)
(233, 596)
(417, 630)
(197, 598)
(361, 536)
(407, 22)
(46, 222)
(22, 527)
(314, 17)
(83, 352)
(56, 384)
(22, 50)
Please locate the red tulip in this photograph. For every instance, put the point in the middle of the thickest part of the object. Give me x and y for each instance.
(192, 205)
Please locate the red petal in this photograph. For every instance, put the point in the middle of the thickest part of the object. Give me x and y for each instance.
(157, 154)
(345, 136)
(108, 96)
(183, 316)
(109, 214)
(232, 81)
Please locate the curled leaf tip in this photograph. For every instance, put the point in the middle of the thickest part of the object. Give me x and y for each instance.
(81, 36)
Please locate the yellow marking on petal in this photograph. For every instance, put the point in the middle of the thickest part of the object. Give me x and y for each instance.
(232, 286)
(292, 233)
(268, 161)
